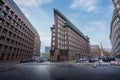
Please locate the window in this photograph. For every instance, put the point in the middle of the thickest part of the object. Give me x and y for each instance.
(53, 34)
(58, 46)
(53, 39)
(115, 1)
(118, 6)
(58, 35)
(53, 43)
(5, 47)
(10, 49)
(16, 18)
(8, 18)
(10, 33)
(4, 31)
(12, 41)
(1, 3)
(3, 14)
(2, 38)
(15, 30)
(11, 13)
(6, 24)
(12, 21)
(1, 21)
(11, 27)
(6, 8)
(8, 40)
(58, 30)
(0, 47)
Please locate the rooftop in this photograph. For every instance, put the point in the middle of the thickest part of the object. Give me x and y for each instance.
(69, 24)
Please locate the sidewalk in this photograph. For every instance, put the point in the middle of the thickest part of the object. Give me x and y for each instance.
(4, 66)
(64, 62)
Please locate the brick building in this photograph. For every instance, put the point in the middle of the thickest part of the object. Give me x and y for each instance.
(18, 38)
(67, 42)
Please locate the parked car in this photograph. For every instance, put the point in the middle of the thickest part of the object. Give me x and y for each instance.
(93, 59)
(108, 59)
(41, 60)
(116, 63)
(112, 59)
(81, 59)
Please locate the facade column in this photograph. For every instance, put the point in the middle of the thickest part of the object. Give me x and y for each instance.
(5, 57)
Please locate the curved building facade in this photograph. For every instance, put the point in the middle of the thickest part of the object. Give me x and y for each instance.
(67, 42)
(115, 29)
(18, 38)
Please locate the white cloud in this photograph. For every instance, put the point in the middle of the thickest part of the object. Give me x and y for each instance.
(31, 9)
(93, 43)
(32, 2)
(88, 5)
(23, 4)
(95, 25)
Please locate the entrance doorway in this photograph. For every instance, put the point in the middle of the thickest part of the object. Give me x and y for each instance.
(58, 58)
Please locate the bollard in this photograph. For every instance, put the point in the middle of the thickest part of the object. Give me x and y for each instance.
(99, 63)
(94, 65)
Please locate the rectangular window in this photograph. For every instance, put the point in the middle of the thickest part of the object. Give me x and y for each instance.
(3, 14)
(8, 40)
(1, 3)
(53, 38)
(53, 34)
(1, 21)
(2, 38)
(53, 43)
(115, 1)
(118, 6)
(6, 24)
(4, 31)
(8, 18)
(58, 46)
(10, 33)
(6, 8)
(1, 47)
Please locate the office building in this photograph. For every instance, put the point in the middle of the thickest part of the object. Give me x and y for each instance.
(115, 29)
(67, 42)
(19, 41)
(47, 49)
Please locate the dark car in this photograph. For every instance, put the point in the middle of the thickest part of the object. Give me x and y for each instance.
(93, 59)
(108, 59)
(40, 60)
(112, 59)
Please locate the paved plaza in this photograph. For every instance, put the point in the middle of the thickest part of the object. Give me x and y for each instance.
(62, 71)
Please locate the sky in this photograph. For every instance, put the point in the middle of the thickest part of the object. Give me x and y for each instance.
(91, 17)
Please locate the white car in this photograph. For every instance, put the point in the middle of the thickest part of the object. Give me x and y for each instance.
(115, 63)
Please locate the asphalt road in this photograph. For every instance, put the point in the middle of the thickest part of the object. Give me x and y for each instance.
(61, 71)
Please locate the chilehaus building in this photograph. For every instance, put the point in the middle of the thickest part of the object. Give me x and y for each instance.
(67, 42)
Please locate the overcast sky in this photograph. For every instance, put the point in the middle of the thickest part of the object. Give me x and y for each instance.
(92, 17)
